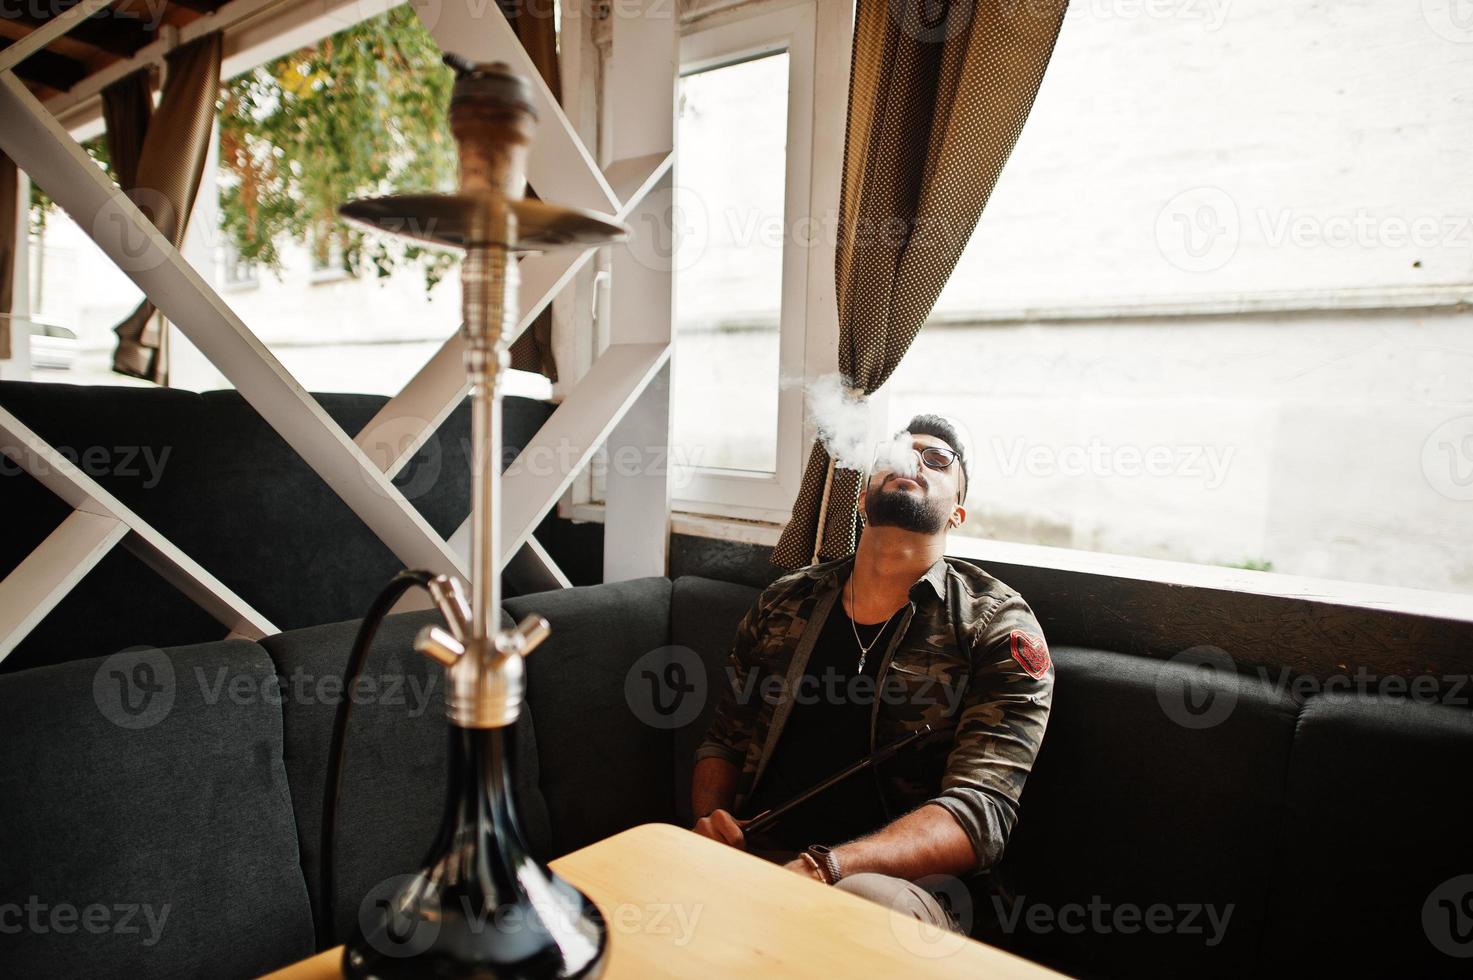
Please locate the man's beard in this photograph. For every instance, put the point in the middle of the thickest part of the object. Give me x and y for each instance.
(896, 508)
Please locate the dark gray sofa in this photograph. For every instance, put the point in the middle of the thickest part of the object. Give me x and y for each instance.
(1324, 826)
(177, 836)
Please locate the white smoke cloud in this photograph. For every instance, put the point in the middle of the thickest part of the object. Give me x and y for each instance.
(844, 427)
(899, 455)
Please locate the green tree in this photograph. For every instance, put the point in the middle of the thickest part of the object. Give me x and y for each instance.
(359, 114)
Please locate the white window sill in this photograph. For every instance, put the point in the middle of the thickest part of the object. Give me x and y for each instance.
(721, 528)
(1382, 598)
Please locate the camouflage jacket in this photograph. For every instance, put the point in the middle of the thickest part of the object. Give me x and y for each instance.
(968, 658)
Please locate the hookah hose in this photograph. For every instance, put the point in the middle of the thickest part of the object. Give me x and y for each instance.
(385, 601)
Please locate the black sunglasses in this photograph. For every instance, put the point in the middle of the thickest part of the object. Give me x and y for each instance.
(941, 458)
(935, 457)
(938, 457)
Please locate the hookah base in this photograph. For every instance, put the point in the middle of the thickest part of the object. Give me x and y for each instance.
(463, 939)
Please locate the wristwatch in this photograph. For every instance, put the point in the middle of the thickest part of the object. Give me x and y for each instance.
(826, 861)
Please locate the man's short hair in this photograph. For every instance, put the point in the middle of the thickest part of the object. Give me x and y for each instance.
(940, 428)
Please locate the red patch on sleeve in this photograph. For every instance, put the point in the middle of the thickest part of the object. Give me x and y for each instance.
(1030, 652)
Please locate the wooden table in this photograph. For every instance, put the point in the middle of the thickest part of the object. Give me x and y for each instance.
(680, 905)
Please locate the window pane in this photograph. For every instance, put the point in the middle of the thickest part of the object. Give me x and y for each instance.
(1203, 322)
(732, 136)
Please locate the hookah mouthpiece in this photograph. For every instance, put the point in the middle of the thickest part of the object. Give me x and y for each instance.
(490, 80)
(492, 118)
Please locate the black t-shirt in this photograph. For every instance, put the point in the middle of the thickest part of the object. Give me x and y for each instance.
(828, 729)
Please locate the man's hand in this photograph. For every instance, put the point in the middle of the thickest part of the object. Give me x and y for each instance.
(722, 826)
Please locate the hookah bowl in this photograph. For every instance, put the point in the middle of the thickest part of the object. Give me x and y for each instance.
(481, 905)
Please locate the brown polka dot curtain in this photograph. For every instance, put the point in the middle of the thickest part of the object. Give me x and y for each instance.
(938, 93)
(536, 28)
(158, 156)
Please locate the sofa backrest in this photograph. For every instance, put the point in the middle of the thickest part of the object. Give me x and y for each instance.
(604, 766)
(1129, 809)
(215, 479)
(704, 614)
(148, 828)
(1375, 856)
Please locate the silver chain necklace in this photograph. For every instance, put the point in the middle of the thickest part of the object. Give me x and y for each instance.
(863, 649)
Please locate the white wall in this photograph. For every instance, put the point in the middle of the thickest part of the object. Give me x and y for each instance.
(1336, 446)
(1296, 147)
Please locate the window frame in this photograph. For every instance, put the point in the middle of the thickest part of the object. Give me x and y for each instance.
(749, 494)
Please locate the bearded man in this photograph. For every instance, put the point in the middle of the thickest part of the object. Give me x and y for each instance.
(863, 651)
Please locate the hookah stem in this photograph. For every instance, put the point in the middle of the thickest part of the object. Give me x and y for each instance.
(485, 530)
(490, 285)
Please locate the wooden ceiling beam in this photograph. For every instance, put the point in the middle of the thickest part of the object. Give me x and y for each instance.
(199, 6)
(104, 30)
(46, 68)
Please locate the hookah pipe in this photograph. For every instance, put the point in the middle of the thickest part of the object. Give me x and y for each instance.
(761, 821)
(480, 905)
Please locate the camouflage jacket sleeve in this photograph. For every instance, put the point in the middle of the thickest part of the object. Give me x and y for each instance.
(999, 728)
(736, 717)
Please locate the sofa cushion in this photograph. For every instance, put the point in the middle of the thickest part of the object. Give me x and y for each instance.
(1376, 857)
(148, 828)
(604, 767)
(1130, 813)
(394, 781)
(703, 619)
(215, 479)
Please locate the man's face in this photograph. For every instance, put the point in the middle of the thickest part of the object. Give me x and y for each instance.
(925, 502)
